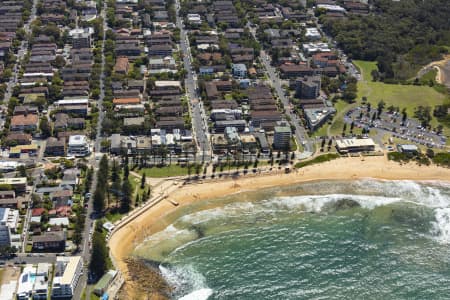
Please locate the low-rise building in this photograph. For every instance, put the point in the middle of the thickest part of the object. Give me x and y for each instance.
(104, 282)
(78, 146)
(313, 34)
(239, 70)
(355, 145)
(24, 122)
(26, 281)
(41, 281)
(55, 147)
(17, 151)
(194, 19)
(316, 117)
(52, 241)
(408, 148)
(238, 124)
(8, 199)
(18, 184)
(122, 65)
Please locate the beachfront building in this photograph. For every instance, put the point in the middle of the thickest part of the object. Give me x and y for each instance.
(78, 146)
(282, 136)
(33, 282)
(408, 148)
(104, 282)
(26, 280)
(355, 145)
(40, 289)
(67, 273)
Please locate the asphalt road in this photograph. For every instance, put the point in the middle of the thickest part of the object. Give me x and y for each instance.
(12, 82)
(85, 244)
(300, 134)
(199, 120)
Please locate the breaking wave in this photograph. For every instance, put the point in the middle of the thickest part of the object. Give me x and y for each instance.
(434, 197)
(188, 284)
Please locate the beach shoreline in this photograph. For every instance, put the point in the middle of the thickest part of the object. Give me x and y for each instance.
(124, 240)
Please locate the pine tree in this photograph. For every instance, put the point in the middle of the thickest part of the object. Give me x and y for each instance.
(136, 200)
(125, 203)
(126, 172)
(143, 181)
(114, 171)
(98, 263)
(99, 200)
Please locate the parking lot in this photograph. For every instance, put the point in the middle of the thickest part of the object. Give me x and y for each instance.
(410, 130)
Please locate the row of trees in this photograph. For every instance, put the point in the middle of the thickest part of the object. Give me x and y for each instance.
(113, 183)
(99, 258)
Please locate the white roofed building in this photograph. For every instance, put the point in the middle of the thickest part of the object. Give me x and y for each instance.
(67, 273)
(355, 145)
(78, 146)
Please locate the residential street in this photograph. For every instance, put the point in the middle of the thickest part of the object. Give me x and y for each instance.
(301, 135)
(199, 120)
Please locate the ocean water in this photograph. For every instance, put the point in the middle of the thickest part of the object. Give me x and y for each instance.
(363, 239)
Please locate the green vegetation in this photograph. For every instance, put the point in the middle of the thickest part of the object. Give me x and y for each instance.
(403, 96)
(442, 159)
(400, 157)
(113, 216)
(102, 184)
(401, 36)
(165, 171)
(317, 160)
(335, 129)
(99, 259)
(429, 77)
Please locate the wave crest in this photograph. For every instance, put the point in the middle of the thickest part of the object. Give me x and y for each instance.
(188, 283)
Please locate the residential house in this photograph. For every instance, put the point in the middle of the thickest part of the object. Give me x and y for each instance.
(55, 147)
(24, 122)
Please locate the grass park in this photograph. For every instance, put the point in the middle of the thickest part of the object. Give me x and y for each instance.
(166, 171)
(403, 96)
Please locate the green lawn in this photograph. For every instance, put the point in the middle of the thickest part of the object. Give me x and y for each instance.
(338, 121)
(166, 171)
(404, 96)
(317, 160)
(113, 217)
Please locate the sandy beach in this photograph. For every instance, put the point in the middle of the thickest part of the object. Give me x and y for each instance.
(125, 239)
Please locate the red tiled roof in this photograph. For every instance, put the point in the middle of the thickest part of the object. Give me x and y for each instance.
(36, 212)
(118, 101)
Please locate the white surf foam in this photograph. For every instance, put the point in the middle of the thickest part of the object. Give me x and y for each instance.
(435, 196)
(187, 282)
(201, 294)
(441, 227)
(310, 203)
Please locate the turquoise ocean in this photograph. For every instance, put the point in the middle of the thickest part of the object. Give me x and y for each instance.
(364, 239)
